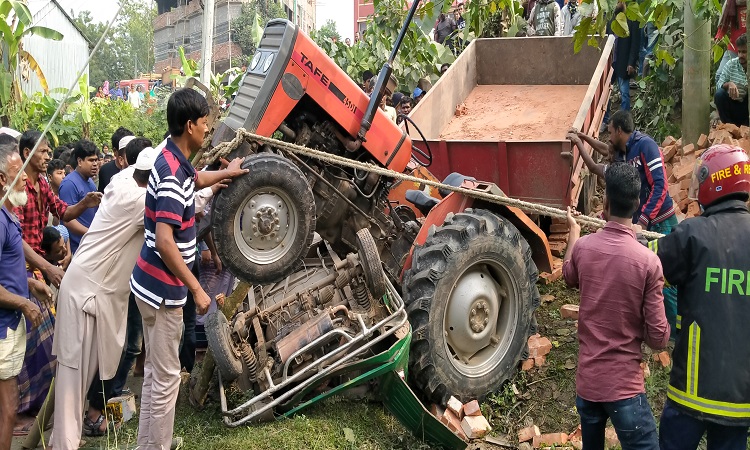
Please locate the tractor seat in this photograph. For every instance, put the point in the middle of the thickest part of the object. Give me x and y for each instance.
(422, 201)
(425, 203)
(455, 179)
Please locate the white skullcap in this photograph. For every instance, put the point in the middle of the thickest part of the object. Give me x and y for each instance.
(125, 141)
(146, 159)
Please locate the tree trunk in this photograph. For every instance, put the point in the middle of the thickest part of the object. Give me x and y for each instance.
(696, 76)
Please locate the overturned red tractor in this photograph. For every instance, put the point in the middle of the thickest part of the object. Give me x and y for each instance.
(331, 251)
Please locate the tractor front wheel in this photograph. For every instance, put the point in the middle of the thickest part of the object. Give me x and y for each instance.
(471, 295)
(263, 222)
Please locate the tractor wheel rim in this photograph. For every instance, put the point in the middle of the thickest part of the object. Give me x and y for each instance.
(479, 318)
(265, 225)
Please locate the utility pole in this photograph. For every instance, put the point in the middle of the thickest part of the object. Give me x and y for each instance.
(696, 83)
(207, 44)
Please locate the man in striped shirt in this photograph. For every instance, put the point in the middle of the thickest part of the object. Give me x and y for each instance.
(731, 87)
(162, 276)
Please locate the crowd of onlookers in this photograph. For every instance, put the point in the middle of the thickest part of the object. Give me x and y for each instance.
(134, 93)
(72, 231)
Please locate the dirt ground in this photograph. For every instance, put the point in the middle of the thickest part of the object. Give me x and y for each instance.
(516, 112)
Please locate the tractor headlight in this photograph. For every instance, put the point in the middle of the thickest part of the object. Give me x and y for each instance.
(256, 60)
(267, 63)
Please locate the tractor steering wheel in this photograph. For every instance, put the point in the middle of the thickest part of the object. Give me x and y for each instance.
(416, 150)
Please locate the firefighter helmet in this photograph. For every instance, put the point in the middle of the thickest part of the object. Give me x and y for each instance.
(720, 171)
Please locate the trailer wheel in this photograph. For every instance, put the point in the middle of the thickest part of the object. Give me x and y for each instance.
(471, 295)
(226, 354)
(263, 222)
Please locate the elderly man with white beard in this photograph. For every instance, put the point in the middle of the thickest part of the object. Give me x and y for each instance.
(14, 291)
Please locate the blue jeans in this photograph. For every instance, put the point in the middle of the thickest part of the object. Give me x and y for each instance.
(632, 419)
(670, 293)
(624, 86)
(649, 38)
(680, 431)
(133, 341)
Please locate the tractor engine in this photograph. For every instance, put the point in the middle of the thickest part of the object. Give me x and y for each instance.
(264, 221)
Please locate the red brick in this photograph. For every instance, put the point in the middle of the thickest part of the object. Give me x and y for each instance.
(702, 141)
(456, 407)
(527, 365)
(558, 237)
(685, 184)
(693, 210)
(731, 128)
(528, 433)
(744, 131)
(451, 421)
(673, 189)
(555, 439)
(539, 361)
(683, 204)
(475, 427)
(610, 437)
(744, 143)
(688, 149)
(669, 140)
(683, 171)
(569, 312)
(558, 248)
(681, 195)
(575, 435)
(437, 410)
(472, 409)
(539, 346)
(669, 152)
(547, 278)
(664, 359)
(559, 228)
(646, 370)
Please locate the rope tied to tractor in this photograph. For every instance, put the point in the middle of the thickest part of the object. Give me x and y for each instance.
(223, 149)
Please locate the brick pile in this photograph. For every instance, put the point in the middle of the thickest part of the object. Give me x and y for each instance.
(464, 419)
(539, 348)
(680, 161)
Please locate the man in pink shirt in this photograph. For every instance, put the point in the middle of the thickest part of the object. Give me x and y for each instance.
(622, 306)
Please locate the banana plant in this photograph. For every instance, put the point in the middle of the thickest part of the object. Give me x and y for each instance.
(16, 23)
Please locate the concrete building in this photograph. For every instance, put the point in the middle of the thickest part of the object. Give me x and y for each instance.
(60, 61)
(180, 24)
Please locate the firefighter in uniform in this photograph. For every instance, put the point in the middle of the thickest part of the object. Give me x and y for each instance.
(708, 259)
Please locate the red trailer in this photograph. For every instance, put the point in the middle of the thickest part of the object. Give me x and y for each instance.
(501, 113)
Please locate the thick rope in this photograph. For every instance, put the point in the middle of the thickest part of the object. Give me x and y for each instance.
(223, 149)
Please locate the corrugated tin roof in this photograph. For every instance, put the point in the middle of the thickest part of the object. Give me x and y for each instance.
(36, 7)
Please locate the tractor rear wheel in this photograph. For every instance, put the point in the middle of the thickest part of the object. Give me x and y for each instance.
(263, 222)
(471, 295)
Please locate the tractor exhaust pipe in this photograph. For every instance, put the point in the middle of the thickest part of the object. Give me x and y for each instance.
(384, 77)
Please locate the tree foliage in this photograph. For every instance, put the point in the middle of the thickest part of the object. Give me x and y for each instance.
(15, 24)
(128, 50)
(253, 16)
(419, 56)
(327, 31)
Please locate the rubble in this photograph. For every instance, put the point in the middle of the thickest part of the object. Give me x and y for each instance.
(663, 359)
(539, 347)
(680, 161)
(550, 439)
(569, 312)
(475, 426)
(528, 433)
(455, 406)
(466, 420)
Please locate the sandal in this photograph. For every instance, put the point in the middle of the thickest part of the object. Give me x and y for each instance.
(92, 429)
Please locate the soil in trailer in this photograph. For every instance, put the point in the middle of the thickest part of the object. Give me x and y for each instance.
(516, 112)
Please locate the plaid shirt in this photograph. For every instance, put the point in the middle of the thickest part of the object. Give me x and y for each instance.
(35, 215)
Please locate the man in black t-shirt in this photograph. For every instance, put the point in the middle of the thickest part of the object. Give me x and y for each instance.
(107, 171)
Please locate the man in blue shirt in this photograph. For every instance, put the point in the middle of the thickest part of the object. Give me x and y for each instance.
(76, 185)
(161, 276)
(14, 291)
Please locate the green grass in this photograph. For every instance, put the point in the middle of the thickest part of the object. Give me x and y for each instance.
(544, 396)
